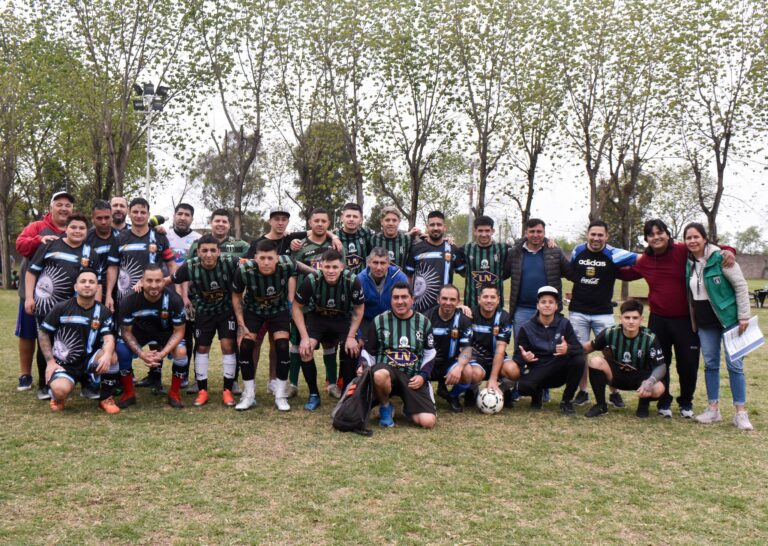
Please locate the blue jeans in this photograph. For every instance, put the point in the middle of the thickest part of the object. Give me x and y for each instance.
(521, 316)
(711, 340)
(583, 324)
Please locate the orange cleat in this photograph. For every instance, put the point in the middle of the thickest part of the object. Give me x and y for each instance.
(56, 405)
(228, 398)
(109, 406)
(202, 398)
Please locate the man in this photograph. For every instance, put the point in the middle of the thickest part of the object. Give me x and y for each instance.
(632, 359)
(355, 238)
(50, 279)
(432, 262)
(77, 340)
(119, 206)
(377, 281)
(103, 243)
(662, 265)
(452, 334)
(397, 243)
(221, 223)
(138, 247)
(491, 334)
(152, 317)
(335, 301)
(37, 233)
(269, 285)
(209, 276)
(485, 261)
(308, 258)
(548, 353)
(594, 267)
(401, 353)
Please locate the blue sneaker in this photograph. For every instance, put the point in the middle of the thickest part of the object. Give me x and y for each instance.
(313, 403)
(25, 383)
(386, 416)
(545, 397)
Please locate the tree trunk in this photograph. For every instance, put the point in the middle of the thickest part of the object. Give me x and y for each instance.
(6, 179)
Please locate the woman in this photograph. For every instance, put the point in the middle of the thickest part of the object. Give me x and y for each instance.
(718, 299)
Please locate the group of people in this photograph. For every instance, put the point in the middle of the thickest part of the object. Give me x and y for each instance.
(97, 299)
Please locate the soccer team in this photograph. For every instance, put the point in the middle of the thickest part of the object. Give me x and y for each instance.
(97, 299)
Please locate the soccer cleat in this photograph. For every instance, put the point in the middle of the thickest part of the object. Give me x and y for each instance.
(334, 390)
(158, 390)
(193, 388)
(149, 381)
(202, 399)
(665, 412)
(566, 408)
(88, 393)
(313, 403)
(741, 421)
(686, 412)
(581, 398)
(228, 398)
(536, 401)
(386, 416)
(291, 391)
(282, 403)
(126, 401)
(597, 410)
(175, 403)
(709, 416)
(56, 405)
(643, 408)
(281, 400)
(442, 389)
(25, 382)
(509, 401)
(455, 405)
(246, 403)
(616, 399)
(236, 390)
(109, 406)
(43, 393)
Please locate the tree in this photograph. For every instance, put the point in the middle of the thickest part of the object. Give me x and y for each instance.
(750, 241)
(674, 198)
(721, 78)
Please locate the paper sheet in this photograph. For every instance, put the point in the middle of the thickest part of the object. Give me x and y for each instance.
(737, 345)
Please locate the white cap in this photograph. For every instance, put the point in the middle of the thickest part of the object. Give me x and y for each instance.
(548, 291)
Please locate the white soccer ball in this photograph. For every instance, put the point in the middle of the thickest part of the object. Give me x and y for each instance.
(490, 401)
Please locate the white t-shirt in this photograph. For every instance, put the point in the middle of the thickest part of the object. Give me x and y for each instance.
(180, 245)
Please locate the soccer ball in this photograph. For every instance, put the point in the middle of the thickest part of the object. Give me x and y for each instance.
(490, 401)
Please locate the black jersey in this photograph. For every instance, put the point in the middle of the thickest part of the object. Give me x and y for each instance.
(265, 295)
(151, 318)
(451, 336)
(357, 246)
(104, 253)
(136, 253)
(56, 266)
(432, 266)
(485, 267)
(640, 353)
(398, 246)
(487, 332)
(331, 300)
(310, 255)
(593, 275)
(283, 245)
(209, 288)
(77, 333)
(401, 343)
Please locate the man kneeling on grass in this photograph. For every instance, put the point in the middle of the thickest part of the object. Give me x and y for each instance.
(631, 359)
(76, 339)
(400, 350)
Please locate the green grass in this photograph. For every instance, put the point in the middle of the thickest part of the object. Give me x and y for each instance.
(153, 475)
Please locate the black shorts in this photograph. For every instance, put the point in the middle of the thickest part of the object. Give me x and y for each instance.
(76, 371)
(487, 366)
(161, 338)
(414, 401)
(627, 380)
(207, 326)
(327, 329)
(281, 322)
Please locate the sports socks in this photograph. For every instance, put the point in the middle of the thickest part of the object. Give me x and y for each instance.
(229, 363)
(598, 380)
(329, 360)
(310, 376)
(283, 359)
(180, 369)
(245, 360)
(293, 375)
(201, 370)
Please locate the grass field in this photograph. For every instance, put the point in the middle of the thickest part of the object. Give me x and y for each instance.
(154, 475)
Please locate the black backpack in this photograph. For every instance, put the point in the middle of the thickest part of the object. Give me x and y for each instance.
(352, 411)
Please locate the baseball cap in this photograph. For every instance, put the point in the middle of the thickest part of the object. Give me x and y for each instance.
(65, 194)
(278, 210)
(548, 291)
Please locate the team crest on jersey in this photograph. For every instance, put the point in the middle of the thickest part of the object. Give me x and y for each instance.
(391, 256)
(626, 357)
(270, 290)
(455, 333)
(353, 260)
(484, 264)
(84, 262)
(403, 344)
(495, 331)
(401, 358)
(214, 285)
(352, 249)
(95, 323)
(448, 256)
(164, 315)
(152, 247)
(331, 303)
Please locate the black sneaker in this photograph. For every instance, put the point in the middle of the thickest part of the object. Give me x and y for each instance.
(509, 400)
(453, 402)
(616, 399)
(175, 403)
(470, 397)
(581, 398)
(566, 408)
(643, 408)
(150, 380)
(536, 401)
(597, 410)
(442, 390)
(123, 403)
(25, 383)
(43, 393)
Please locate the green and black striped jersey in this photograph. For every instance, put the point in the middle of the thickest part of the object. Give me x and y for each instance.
(401, 343)
(208, 288)
(331, 300)
(229, 247)
(357, 245)
(309, 254)
(265, 295)
(640, 353)
(399, 246)
(485, 267)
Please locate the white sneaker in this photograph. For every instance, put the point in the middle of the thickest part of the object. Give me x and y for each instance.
(334, 390)
(246, 403)
(271, 385)
(665, 412)
(291, 391)
(741, 421)
(236, 390)
(709, 416)
(281, 401)
(686, 413)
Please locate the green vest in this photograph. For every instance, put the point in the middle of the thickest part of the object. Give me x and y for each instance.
(721, 294)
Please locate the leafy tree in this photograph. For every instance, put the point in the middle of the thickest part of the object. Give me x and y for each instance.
(750, 241)
(674, 198)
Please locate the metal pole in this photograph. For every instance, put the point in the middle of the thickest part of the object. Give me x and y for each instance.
(149, 144)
